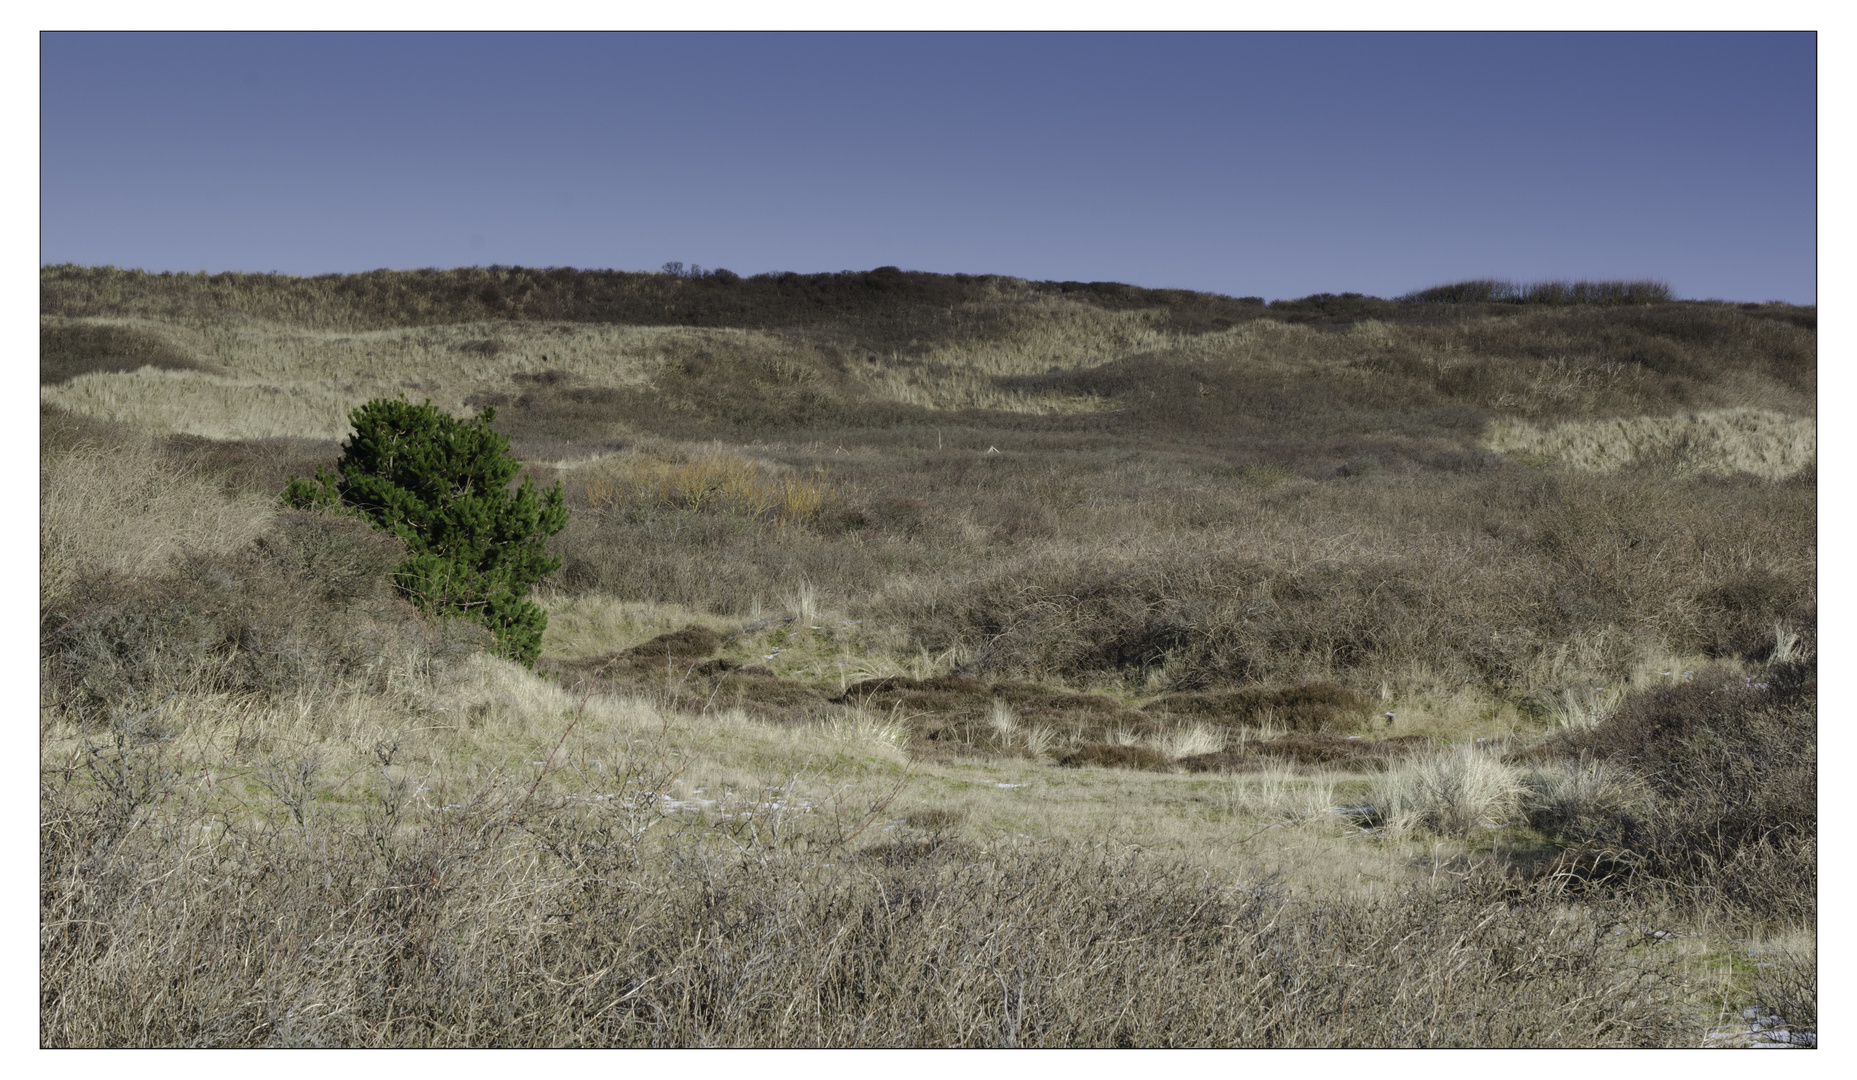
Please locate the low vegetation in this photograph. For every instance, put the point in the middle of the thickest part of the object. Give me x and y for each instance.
(932, 661)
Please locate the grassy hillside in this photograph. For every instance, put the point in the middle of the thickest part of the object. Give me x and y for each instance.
(1339, 608)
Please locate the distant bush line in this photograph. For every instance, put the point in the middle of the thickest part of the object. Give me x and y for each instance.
(881, 308)
(1494, 291)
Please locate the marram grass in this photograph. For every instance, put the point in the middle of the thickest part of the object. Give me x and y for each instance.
(1765, 443)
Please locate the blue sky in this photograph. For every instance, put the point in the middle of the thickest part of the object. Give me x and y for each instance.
(1255, 164)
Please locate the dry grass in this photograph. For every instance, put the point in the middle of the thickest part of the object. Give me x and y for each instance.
(272, 379)
(1282, 794)
(841, 593)
(507, 921)
(127, 511)
(1450, 792)
(717, 481)
(1583, 706)
(1766, 444)
(1061, 335)
(1191, 740)
(1569, 796)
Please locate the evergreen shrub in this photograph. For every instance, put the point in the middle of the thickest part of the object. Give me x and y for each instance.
(442, 485)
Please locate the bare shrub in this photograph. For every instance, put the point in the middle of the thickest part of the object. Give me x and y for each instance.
(121, 508)
(1319, 706)
(1308, 751)
(1114, 756)
(1732, 761)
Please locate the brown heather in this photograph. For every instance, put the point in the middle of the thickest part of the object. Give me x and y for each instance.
(936, 661)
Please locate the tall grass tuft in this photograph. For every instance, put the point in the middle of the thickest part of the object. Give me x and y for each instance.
(1003, 721)
(1786, 644)
(1281, 793)
(1192, 740)
(1581, 798)
(804, 602)
(1450, 792)
(1583, 706)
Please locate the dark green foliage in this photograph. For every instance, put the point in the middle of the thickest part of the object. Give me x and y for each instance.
(442, 485)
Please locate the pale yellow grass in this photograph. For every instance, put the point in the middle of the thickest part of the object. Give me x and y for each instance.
(1009, 735)
(124, 510)
(500, 712)
(711, 477)
(214, 406)
(1572, 682)
(1062, 335)
(595, 624)
(491, 719)
(1426, 702)
(1284, 794)
(858, 724)
(1758, 441)
(274, 379)
(1451, 791)
(1579, 688)
(491, 725)
(278, 379)
(1566, 791)
(1191, 740)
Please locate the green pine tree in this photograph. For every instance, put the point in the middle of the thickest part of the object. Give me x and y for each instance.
(442, 485)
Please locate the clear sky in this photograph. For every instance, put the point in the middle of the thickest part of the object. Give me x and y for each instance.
(1251, 164)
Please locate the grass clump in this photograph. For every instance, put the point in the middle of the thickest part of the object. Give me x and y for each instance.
(1449, 792)
(1579, 798)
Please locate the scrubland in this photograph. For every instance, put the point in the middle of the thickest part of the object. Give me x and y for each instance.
(937, 660)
